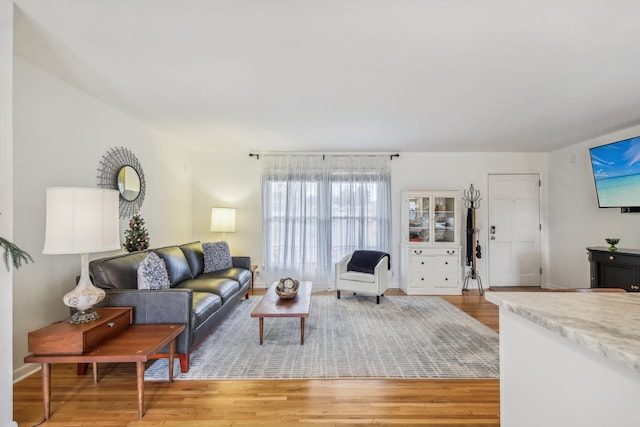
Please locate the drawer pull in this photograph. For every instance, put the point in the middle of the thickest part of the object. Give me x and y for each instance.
(422, 278)
(417, 252)
(450, 252)
(111, 324)
(446, 263)
(611, 257)
(446, 278)
(422, 262)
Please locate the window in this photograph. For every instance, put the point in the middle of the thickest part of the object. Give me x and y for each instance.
(316, 209)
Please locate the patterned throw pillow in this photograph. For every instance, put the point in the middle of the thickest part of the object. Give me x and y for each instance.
(216, 256)
(152, 273)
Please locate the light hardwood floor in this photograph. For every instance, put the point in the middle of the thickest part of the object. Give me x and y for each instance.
(76, 401)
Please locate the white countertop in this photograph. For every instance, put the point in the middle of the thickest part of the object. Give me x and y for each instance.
(606, 323)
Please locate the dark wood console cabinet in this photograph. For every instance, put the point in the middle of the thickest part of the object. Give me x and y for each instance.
(619, 269)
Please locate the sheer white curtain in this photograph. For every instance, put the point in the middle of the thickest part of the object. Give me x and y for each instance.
(360, 204)
(318, 208)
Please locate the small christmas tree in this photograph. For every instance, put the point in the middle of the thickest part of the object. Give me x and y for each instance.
(137, 236)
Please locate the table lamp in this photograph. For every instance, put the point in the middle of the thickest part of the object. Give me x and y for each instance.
(82, 221)
(223, 220)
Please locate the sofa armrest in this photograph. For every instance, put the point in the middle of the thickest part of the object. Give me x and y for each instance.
(157, 306)
(241, 262)
(381, 273)
(341, 266)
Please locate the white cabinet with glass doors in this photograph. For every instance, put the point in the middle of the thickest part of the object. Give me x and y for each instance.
(431, 253)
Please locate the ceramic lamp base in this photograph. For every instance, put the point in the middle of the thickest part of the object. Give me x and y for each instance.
(84, 296)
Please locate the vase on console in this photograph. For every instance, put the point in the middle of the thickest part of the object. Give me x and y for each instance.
(613, 242)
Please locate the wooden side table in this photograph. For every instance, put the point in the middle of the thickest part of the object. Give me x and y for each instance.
(134, 343)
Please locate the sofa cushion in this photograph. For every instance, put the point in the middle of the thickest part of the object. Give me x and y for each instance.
(217, 256)
(118, 272)
(152, 273)
(177, 264)
(358, 277)
(223, 287)
(241, 275)
(195, 257)
(204, 305)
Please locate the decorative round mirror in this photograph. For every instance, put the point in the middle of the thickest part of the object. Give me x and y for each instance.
(120, 170)
(128, 183)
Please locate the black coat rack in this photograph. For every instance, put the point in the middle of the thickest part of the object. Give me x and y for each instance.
(472, 199)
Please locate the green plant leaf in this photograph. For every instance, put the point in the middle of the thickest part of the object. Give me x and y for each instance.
(18, 256)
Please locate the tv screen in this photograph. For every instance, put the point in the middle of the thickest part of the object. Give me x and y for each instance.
(616, 171)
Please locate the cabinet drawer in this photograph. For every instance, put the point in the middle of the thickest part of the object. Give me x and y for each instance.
(420, 280)
(615, 258)
(445, 264)
(106, 329)
(65, 338)
(420, 263)
(434, 251)
(445, 280)
(434, 280)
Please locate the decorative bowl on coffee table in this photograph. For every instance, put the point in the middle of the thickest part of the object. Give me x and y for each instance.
(287, 288)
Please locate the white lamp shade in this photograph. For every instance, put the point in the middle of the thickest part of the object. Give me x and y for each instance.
(223, 220)
(81, 220)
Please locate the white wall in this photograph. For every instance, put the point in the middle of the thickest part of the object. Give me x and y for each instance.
(225, 179)
(457, 171)
(576, 221)
(6, 208)
(60, 136)
(233, 179)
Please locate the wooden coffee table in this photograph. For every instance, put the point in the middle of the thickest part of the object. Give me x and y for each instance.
(137, 343)
(271, 305)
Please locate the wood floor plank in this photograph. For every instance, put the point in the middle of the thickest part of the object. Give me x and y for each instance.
(77, 402)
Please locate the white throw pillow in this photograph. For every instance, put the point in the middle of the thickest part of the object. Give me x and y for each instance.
(217, 256)
(152, 273)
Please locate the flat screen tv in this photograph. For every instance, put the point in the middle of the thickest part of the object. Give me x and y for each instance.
(616, 171)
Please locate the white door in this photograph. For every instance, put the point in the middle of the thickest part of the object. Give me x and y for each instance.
(514, 230)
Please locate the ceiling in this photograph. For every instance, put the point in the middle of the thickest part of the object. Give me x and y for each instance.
(349, 75)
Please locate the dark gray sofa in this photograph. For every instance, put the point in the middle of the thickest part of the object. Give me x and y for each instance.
(197, 299)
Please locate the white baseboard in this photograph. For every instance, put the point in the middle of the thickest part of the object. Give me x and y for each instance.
(24, 371)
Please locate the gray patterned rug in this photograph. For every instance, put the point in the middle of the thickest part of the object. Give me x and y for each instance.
(403, 337)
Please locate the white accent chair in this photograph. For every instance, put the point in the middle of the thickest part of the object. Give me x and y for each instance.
(360, 282)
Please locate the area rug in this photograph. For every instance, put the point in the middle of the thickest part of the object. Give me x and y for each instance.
(351, 337)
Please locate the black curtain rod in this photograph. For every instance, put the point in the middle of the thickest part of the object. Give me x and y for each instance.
(257, 155)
